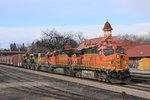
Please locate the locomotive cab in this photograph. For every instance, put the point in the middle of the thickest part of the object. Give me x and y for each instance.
(115, 60)
(32, 59)
(114, 57)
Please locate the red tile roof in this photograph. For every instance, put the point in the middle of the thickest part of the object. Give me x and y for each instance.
(107, 27)
(128, 44)
(139, 51)
(94, 41)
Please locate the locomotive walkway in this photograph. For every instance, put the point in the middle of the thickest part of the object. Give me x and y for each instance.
(43, 84)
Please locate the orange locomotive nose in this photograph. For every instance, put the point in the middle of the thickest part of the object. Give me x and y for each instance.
(121, 62)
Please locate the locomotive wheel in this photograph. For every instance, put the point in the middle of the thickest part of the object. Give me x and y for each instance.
(31, 67)
(50, 69)
(26, 67)
(101, 76)
(23, 66)
(78, 74)
(96, 74)
(36, 67)
(69, 71)
(66, 71)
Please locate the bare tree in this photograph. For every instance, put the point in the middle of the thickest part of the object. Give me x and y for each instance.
(142, 39)
(53, 40)
(80, 37)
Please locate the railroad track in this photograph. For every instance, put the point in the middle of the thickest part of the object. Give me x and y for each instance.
(47, 90)
(72, 96)
(143, 77)
(136, 86)
(136, 79)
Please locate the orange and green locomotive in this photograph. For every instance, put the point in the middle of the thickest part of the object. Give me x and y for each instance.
(108, 64)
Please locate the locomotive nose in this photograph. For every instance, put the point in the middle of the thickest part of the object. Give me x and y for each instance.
(118, 56)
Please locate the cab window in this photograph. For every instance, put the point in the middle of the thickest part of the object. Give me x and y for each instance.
(35, 55)
(43, 55)
(108, 52)
(120, 51)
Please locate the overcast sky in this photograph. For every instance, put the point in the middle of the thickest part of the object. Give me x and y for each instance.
(24, 20)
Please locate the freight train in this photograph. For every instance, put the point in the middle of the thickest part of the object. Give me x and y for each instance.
(107, 62)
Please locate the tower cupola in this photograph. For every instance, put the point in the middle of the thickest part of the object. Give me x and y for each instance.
(107, 29)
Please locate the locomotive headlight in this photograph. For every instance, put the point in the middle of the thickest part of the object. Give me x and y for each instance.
(126, 67)
(114, 67)
(117, 56)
